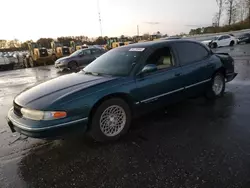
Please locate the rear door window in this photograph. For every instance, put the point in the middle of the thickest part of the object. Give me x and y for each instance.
(226, 37)
(95, 51)
(87, 52)
(190, 52)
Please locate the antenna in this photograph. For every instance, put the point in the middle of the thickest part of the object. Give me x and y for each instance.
(99, 15)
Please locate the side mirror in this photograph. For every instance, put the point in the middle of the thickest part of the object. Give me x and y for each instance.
(149, 68)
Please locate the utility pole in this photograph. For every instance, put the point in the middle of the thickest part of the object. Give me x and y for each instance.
(138, 33)
(99, 15)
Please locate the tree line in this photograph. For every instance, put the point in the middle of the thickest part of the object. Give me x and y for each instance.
(237, 14)
(15, 45)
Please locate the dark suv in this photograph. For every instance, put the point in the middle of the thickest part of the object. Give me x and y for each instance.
(245, 38)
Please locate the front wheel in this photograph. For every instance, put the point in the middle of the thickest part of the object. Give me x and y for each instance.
(73, 66)
(25, 63)
(111, 120)
(31, 62)
(231, 43)
(214, 45)
(217, 87)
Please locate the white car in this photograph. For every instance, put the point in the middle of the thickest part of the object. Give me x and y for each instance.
(223, 40)
(6, 64)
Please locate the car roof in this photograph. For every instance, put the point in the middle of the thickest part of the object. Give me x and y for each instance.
(150, 44)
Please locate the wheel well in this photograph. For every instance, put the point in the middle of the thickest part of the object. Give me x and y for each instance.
(122, 96)
(221, 70)
(214, 44)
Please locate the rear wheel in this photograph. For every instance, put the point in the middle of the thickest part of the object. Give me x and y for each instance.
(54, 58)
(25, 63)
(217, 87)
(231, 43)
(31, 62)
(73, 65)
(111, 120)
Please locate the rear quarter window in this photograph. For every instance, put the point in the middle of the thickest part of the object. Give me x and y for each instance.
(189, 52)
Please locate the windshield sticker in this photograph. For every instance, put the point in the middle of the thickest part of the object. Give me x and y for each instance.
(137, 49)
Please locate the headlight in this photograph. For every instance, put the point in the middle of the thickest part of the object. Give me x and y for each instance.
(42, 115)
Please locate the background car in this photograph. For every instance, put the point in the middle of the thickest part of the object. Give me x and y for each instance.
(245, 38)
(12, 56)
(79, 58)
(6, 64)
(223, 40)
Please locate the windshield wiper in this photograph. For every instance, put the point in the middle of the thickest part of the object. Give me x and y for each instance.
(89, 73)
(92, 73)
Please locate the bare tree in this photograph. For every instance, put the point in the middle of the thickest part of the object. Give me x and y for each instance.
(242, 10)
(231, 11)
(220, 4)
(248, 7)
(216, 20)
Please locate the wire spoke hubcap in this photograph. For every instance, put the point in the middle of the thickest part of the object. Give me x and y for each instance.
(112, 120)
(217, 85)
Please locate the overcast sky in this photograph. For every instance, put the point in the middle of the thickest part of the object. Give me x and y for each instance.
(32, 19)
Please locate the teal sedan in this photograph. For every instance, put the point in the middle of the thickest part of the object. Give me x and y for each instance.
(121, 84)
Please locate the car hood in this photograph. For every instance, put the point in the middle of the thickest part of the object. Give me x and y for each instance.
(64, 58)
(61, 85)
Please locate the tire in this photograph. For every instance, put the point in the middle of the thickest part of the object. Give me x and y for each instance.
(31, 62)
(73, 65)
(25, 63)
(103, 134)
(231, 43)
(214, 45)
(12, 66)
(216, 88)
(54, 58)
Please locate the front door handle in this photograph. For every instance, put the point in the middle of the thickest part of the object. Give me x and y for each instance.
(177, 74)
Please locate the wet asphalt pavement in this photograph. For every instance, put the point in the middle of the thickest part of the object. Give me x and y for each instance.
(196, 143)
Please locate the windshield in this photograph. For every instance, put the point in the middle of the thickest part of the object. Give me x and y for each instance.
(76, 53)
(244, 35)
(117, 62)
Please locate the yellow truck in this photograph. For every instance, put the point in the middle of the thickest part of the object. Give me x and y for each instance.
(154, 37)
(61, 50)
(37, 55)
(115, 42)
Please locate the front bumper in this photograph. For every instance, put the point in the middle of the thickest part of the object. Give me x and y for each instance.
(230, 76)
(61, 65)
(62, 129)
